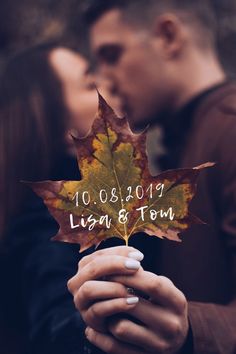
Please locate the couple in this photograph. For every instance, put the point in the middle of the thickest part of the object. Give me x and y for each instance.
(161, 60)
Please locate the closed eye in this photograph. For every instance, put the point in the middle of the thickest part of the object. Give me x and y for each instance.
(110, 54)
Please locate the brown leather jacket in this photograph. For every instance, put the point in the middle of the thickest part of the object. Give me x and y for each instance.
(204, 265)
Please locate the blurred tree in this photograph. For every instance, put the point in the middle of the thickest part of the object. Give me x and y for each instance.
(28, 22)
(226, 17)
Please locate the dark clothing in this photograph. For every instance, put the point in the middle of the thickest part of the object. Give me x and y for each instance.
(205, 263)
(203, 266)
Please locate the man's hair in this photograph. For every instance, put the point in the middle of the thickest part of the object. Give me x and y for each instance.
(198, 13)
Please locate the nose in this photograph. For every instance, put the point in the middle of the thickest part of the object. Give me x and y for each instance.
(109, 90)
(90, 81)
(108, 82)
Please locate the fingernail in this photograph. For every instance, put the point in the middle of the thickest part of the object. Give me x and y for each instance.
(136, 255)
(132, 300)
(132, 264)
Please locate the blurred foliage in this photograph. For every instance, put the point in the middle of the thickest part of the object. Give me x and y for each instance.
(29, 22)
(226, 17)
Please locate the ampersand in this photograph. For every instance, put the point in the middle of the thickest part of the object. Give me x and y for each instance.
(123, 216)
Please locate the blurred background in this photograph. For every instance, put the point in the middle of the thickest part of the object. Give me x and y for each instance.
(26, 22)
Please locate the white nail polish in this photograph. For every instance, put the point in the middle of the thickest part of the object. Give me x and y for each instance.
(136, 255)
(132, 264)
(132, 300)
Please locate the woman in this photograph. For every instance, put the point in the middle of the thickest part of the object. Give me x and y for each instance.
(43, 96)
(44, 93)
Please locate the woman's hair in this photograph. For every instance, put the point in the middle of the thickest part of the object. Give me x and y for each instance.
(32, 126)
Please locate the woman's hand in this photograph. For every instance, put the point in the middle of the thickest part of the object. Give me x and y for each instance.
(163, 323)
(98, 299)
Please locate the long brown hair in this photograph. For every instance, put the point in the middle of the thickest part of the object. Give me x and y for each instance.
(32, 126)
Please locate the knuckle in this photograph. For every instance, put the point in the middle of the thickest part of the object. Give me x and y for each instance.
(154, 284)
(110, 347)
(126, 250)
(83, 261)
(82, 295)
(76, 301)
(94, 311)
(165, 280)
(92, 270)
(70, 285)
(181, 303)
(120, 328)
(85, 290)
(175, 328)
(94, 336)
(163, 347)
(99, 253)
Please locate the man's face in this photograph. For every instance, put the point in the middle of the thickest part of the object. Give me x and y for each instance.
(131, 59)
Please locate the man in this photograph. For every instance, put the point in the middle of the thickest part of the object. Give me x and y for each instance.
(160, 57)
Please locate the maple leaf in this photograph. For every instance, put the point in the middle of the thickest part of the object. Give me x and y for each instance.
(117, 196)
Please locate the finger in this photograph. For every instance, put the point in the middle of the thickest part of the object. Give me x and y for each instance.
(110, 345)
(119, 250)
(134, 334)
(103, 266)
(160, 289)
(97, 314)
(153, 316)
(162, 322)
(93, 290)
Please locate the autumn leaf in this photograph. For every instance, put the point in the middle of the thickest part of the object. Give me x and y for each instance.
(117, 196)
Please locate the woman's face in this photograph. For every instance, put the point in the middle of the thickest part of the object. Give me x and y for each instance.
(79, 94)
